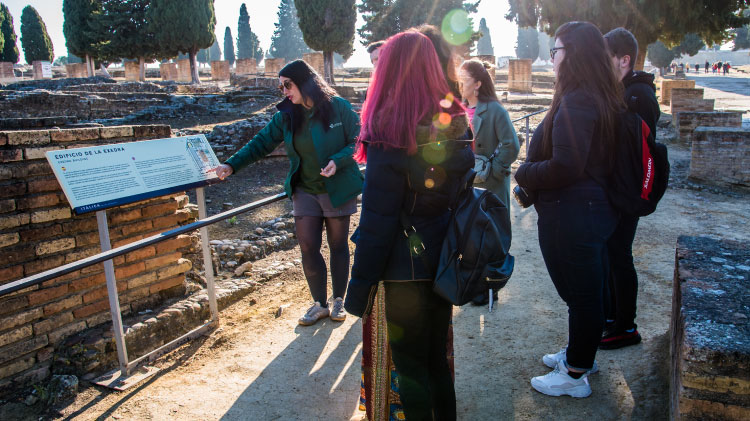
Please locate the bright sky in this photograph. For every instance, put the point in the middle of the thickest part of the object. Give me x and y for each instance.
(263, 15)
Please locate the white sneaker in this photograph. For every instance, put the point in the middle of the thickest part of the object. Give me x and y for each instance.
(558, 382)
(313, 314)
(551, 360)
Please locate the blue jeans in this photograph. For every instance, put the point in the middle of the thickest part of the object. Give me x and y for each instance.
(574, 225)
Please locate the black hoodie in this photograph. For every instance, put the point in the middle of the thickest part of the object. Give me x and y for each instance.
(640, 95)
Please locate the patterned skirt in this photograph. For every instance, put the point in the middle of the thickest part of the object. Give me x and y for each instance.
(379, 391)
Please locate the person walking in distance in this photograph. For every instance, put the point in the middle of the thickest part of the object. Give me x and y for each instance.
(318, 130)
(570, 158)
(640, 97)
(410, 125)
(495, 138)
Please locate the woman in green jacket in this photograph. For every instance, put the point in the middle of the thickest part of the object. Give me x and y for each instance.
(318, 129)
(495, 139)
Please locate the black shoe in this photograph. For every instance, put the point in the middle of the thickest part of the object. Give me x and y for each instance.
(484, 298)
(614, 339)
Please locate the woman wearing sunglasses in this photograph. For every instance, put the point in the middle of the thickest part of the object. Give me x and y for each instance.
(318, 129)
(570, 157)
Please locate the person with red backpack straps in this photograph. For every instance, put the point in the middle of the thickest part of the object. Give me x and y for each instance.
(640, 97)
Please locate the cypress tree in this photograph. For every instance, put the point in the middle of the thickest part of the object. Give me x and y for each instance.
(34, 38)
(248, 45)
(183, 26)
(214, 53)
(10, 49)
(81, 38)
(484, 46)
(228, 47)
(328, 26)
(287, 41)
(528, 43)
(2, 35)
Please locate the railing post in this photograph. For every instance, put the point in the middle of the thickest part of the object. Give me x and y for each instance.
(114, 300)
(527, 135)
(208, 264)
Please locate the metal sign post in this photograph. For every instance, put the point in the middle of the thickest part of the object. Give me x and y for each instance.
(208, 265)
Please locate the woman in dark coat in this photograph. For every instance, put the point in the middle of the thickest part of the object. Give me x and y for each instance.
(318, 130)
(569, 159)
(410, 119)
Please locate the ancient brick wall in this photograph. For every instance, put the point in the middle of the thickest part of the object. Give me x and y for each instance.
(686, 121)
(273, 65)
(132, 71)
(38, 233)
(689, 99)
(220, 70)
(183, 70)
(168, 71)
(246, 66)
(76, 70)
(519, 75)
(710, 353)
(315, 60)
(6, 72)
(721, 156)
(668, 84)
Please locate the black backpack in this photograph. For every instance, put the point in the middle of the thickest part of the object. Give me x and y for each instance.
(641, 169)
(474, 256)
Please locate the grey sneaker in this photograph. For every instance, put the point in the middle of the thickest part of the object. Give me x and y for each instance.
(551, 360)
(313, 314)
(337, 312)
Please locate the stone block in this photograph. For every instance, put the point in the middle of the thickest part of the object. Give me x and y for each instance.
(316, 61)
(54, 246)
(3, 139)
(7, 205)
(10, 155)
(76, 70)
(90, 309)
(64, 304)
(41, 69)
(721, 156)
(47, 215)
(10, 274)
(132, 71)
(17, 349)
(15, 335)
(141, 280)
(687, 121)
(6, 72)
(44, 185)
(37, 153)
(9, 239)
(17, 366)
(47, 294)
(40, 265)
(168, 71)
(273, 66)
(51, 323)
(70, 135)
(246, 66)
(173, 244)
(55, 337)
(166, 284)
(39, 201)
(220, 70)
(519, 75)
(129, 270)
(29, 169)
(28, 137)
(115, 132)
(710, 353)
(35, 234)
(21, 318)
(183, 70)
(154, 131)
(665, 94)
(87, 282)
(11, 221)
(182, 266)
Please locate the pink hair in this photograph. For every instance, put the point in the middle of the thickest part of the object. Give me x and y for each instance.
(407, 87)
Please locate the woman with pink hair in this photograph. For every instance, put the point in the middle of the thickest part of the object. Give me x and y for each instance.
(410, 126)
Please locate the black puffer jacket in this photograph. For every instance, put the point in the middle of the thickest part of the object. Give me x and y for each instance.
(422, 185)
(640, 96)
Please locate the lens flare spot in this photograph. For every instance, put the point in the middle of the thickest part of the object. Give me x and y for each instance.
(429, 183)
(433, 154)
(444, 118)
(437, 123)
(435, 177)
(456, 27)
(445, 103)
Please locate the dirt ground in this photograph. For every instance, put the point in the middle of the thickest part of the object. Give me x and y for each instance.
(261, 365)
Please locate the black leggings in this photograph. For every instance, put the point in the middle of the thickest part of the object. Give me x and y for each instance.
(309, 235)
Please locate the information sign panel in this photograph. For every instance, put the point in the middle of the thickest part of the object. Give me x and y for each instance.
(101, 177)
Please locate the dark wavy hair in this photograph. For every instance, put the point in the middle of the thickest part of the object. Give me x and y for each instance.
(478, 70)
(312, 87)
(586, 66)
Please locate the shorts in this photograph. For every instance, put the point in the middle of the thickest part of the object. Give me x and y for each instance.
(308, 204)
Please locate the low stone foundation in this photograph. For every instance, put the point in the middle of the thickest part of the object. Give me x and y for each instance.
(721, 156)
(519, 75)
(686, 121)
(246, 66)
(273, 66)
(220, 70)
(667, 85)
(689, 99)
(183, 71)
(710, 331)
(168, 71)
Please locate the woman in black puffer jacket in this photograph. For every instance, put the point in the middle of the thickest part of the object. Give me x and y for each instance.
(414, 164)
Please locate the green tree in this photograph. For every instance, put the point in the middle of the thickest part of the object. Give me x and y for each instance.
(183, 26)
(690, 45)
(384, 18)
(202, 56)
(248, 45)
(484, 46)
(328, 26)
(527, 44)
(229, 47)
(665, 20)
(741, 38)
(545, 43)
(34, 38)
(287, 41)
(660, 56)
(214, 53)
(81, 38)
(9, 51)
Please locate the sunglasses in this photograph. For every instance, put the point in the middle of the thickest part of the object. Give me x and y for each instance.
(286, 85)
(553, 51)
